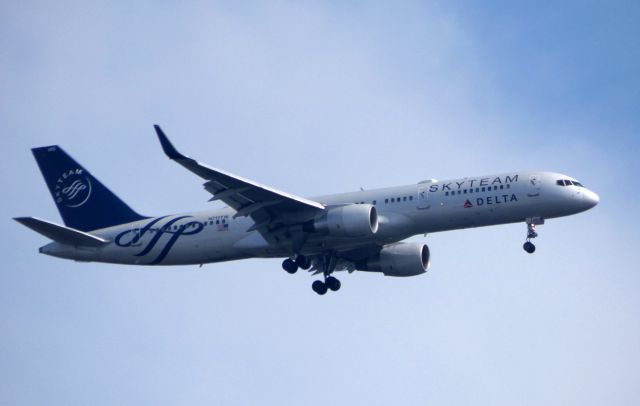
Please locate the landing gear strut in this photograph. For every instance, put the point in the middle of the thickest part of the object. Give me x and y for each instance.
(531, 233)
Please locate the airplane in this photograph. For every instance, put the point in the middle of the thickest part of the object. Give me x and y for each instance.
(362, 230)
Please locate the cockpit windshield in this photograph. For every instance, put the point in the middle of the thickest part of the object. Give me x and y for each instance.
(567, 182)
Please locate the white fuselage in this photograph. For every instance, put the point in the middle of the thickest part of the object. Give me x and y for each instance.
(403, 211)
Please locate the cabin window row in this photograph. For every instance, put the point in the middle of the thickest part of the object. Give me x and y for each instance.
(477, 190)
(176, 227)
(398, 199)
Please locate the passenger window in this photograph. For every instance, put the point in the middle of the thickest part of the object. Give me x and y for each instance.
(508, 185)
(404, 199)
(501, 187)
(374, 202)
(459, 192)
(410, 197)
(386, 200)
(393, 200)
(483, 189)
(446, 193)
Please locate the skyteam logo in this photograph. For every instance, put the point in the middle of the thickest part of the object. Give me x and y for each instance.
(72, 188)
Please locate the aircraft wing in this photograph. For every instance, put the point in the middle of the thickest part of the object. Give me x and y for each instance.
(266, 206)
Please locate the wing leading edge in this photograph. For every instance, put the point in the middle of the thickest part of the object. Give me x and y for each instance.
(267, 207)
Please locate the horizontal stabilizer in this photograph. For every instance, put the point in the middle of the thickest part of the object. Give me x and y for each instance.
(61, 234)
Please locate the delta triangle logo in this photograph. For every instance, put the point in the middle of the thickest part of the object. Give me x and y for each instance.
(467, 204)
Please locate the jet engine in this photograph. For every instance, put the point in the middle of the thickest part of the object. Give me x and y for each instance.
(356, 220)
(401, 259)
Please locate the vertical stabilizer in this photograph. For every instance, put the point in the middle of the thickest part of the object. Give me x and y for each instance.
(84, 203)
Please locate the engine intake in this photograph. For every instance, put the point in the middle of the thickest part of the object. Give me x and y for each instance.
(401, 259)
(356, 220)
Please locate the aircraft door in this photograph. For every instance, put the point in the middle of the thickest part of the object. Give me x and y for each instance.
(535, 183)
(423, 196)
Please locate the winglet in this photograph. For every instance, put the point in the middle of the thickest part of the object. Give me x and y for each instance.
(168, 148)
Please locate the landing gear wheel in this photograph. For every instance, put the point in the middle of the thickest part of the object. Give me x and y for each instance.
(319, 287)
(289, 266)
(529, 247)
(303, 262)
(333, 283)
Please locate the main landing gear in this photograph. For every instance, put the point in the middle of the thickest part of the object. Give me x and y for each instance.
(292, 266)
(531, 233)
(324, 264)
(327, 264)
(329, 283)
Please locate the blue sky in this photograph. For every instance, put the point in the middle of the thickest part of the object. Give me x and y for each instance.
(314, 98)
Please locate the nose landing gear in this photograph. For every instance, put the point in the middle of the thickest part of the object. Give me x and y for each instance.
(529, 247)
(531, 233)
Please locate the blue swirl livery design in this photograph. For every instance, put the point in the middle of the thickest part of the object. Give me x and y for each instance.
(135, 236)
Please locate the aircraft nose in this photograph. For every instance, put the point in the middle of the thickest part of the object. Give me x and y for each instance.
(590, 199)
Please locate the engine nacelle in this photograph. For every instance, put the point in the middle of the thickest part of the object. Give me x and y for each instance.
(356, 220)
(401, 259)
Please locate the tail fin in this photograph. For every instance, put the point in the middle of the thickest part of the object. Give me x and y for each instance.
(84, 203)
